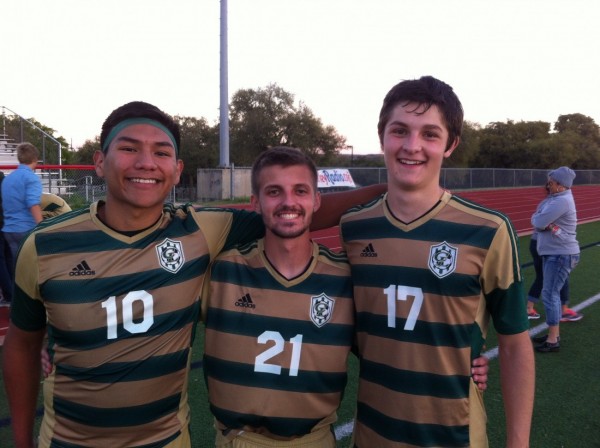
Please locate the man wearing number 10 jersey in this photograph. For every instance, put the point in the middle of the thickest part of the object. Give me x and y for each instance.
(117, 287)
(429, 270)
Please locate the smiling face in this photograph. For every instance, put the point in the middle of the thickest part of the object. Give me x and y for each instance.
(286, 199)
(414, 143)
(140, 168)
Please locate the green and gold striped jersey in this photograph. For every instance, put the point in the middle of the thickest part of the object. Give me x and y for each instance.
(276, 349)
(121, 312)
(424, 293)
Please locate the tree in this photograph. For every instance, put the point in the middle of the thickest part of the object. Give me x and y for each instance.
(85, 154)
(268, 117)
(468, 147)
(510, 144)
(199, 147)
(30, 130)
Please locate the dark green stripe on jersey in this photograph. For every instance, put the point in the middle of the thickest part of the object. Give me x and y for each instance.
(253, 325)
(412, 433)
(116, 417)
(227, 272)
(69, 291)
(415, 383)
(455, 233)
(285, 427)
(244, 375)
(128, 371)
(461, 285)
(96, 338)
(430, 333)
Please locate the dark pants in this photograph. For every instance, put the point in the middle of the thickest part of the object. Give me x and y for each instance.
(6, 269)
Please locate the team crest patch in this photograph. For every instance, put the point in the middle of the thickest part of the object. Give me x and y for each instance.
(170, 255)
(442, 259)
(321, 309)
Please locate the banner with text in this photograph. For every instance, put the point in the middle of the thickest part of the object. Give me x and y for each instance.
(334, 178)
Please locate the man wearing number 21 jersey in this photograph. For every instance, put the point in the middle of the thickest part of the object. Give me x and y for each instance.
(279, 319)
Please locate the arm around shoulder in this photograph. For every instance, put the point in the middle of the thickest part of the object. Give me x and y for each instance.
(333, 205)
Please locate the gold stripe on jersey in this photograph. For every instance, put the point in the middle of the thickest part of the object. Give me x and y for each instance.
(121, 314)
(270, 368)
(422, 319)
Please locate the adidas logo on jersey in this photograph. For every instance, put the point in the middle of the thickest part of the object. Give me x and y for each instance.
(81, 269)
(245, 302)
(368, 251)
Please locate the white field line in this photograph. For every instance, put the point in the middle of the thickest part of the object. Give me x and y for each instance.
(344, 430)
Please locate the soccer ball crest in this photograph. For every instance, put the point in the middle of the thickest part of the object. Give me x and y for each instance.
(442, 259)
(321, 309)
(170, 255)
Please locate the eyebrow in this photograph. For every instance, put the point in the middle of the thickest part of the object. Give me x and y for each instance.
(426, 126)
(125, 138)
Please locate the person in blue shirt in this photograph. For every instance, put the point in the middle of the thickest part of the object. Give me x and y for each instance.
(21, 195)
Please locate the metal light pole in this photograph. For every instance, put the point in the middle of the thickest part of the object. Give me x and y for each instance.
(224, 104)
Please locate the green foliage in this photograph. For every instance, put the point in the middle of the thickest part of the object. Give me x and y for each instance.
(268, 117)
(199, 147)
(264, 117)
(32, 131)
(85, 154)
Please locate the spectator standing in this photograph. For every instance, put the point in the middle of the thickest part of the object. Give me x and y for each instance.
(6, 284)
(535, 290)
(556, 223)
(21, 195)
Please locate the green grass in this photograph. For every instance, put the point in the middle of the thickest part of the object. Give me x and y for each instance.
(567, 383)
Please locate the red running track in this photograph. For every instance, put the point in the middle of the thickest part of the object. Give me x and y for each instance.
(518, 203)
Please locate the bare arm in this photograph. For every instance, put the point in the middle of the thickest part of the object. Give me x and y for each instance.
(36, 212)
(517, 373)
(21, 369)
(333, 205)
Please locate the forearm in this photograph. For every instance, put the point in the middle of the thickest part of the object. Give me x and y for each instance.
(21, 369)
(517, 372)
(333, 205)
(36, 212)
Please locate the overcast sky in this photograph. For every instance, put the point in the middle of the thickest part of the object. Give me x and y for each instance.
(69, 63)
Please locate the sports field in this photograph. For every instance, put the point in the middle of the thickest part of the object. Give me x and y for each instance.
(568, 382)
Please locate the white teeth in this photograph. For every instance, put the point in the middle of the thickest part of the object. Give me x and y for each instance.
(411, 162)
(289, 215)
(144, 181)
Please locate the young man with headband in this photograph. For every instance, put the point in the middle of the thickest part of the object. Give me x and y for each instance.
(119, 331)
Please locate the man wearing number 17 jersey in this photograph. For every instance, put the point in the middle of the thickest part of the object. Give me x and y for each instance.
(429, 270)
(279, 320)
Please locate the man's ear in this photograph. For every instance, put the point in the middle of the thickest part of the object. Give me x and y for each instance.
(255, 203)
(452, 147)
(317, 205)
(99, 163)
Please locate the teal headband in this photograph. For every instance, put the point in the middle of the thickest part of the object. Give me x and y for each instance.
(130, 122)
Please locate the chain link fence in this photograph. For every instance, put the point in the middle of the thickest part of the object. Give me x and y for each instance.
(79, 185)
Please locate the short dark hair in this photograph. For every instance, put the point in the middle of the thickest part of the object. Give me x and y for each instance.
(426, 91)
(285, 156)
(27, 153)
(139, 109)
